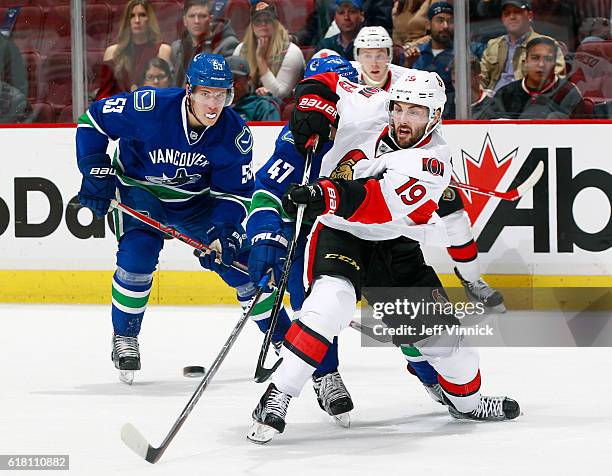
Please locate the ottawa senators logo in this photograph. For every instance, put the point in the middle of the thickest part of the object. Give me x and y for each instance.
(433, 166)
(344, 170)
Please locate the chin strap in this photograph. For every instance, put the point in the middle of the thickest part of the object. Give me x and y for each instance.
(190, 109)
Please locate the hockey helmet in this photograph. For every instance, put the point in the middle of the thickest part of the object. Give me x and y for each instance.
(210, 70)
(335, 64)
(373, 37)
(423, 88)
(324, 53)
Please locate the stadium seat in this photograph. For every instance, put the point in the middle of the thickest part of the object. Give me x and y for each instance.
(32, 63)
(56, 35)
(27, 30)
(56, 80)
(65, 115)
(238, 12)
(94, 63)
(43, 112)
(12, 3)
(287, 109)
(293, 13)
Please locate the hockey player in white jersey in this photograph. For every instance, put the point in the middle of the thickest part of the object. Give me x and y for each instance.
(387, 170)
(373, 50)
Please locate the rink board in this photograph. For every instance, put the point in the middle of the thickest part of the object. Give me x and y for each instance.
(557, 235)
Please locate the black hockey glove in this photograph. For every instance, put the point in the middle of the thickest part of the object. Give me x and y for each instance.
(315, 112)
(320, 198)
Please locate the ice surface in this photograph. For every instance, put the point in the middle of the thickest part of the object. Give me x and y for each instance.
(60, 394)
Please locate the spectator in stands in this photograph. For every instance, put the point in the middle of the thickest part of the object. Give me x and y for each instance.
(437, 54)
(349, 19)
(410, 23)
(157, 73)
(594, 29)
(504, 56)
(276, 64)
(13, 83)
(138, 41)
(203, 34)
(541, 94)
(316, 25)
(250, 106)
(378, 13)
(481, 99)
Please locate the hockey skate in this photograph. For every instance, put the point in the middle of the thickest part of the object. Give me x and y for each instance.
(480, 291)
(269, 415)
(489, 409)
(126, 357)
(333, 397)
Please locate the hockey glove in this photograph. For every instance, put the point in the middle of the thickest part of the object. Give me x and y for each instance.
(320, 198)
(313, 114)
(269, 251)
(225, 240)
(98, 184)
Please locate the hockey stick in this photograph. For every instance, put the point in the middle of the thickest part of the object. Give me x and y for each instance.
(369, 331)
(511, 195)
(134, 439)
(261, 373)
(173, 232)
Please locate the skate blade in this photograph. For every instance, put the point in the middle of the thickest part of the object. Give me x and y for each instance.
(499, 309)
(343, 419)
(126, 376)
(261, 434)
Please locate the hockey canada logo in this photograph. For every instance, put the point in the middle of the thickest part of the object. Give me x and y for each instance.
(487, 170)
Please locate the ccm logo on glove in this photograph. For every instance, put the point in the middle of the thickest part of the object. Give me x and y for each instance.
(312, 102)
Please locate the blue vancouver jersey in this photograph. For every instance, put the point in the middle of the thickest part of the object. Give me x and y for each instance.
(286, 166)
(159, 152)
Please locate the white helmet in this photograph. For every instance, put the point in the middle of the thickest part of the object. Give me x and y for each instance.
(373, 37)
(423, 88)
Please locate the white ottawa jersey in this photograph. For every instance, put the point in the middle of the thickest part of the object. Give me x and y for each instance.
(395, 72)
(406, 184)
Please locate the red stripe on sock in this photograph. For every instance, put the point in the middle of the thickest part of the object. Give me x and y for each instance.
(460, 390)
(467, 252)
(302, 338)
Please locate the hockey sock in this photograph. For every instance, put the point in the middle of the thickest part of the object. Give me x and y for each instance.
(303, 351)
(464, 396)
(330, 361)
(129, 296)
(463, 249)
(262, 310)
(417, 365)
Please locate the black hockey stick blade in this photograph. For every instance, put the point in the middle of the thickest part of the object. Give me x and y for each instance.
(368, 331)
(134, 440)
(262, 374)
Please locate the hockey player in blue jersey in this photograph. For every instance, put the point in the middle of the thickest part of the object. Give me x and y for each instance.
(183, 158)
(270, 230)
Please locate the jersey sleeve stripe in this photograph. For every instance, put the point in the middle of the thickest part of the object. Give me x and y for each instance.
(92, 122)
(423, 214)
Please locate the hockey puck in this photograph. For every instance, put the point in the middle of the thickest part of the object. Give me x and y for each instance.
(194, 371)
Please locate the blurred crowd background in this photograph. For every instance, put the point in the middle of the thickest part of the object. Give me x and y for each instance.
(538, 59)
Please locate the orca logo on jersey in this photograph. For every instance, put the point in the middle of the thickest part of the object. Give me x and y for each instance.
(180, 179)
(312, 102)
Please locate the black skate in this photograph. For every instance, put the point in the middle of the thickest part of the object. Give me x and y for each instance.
(333, 397)
(480, 291)
(490, 409)
(269, 415)
(126, 357)
(435, 392)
